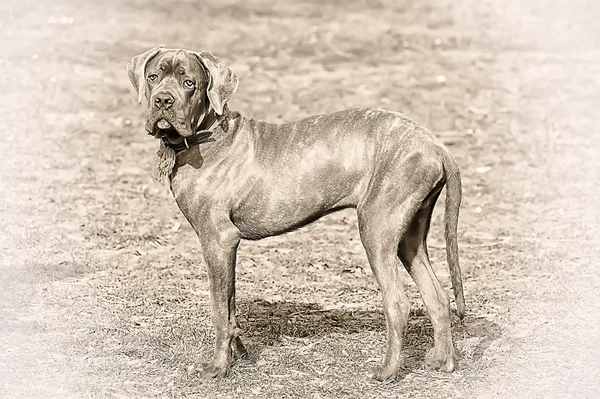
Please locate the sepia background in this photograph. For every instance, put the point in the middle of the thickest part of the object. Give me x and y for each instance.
(102, 290)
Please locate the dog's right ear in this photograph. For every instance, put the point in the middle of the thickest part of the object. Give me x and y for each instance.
(136, 68)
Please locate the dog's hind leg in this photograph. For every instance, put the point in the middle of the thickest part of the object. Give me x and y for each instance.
(383, 221)
(396, 195)
(414, 255)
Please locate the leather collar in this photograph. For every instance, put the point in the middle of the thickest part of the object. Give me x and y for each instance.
(202, 135)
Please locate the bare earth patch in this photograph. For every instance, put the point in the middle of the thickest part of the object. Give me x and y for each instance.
(102, 291)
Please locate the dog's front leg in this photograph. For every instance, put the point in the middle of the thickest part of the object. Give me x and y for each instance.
(220, 241)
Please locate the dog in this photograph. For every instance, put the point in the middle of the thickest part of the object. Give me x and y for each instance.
(237, 178)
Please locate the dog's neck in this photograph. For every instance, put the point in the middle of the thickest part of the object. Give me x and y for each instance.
(202, 134)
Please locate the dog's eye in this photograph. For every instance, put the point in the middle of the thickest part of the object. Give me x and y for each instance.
(152, 77)
(188, 84)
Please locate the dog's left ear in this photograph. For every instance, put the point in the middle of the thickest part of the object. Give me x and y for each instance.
(222, 81)
(136, 68)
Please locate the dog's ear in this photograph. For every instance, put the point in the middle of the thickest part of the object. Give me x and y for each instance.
(136, 68)
(222, 82)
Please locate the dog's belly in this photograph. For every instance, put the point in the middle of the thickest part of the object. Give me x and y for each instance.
(275, 207)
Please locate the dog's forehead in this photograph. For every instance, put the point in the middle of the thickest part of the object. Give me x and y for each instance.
(180, 61)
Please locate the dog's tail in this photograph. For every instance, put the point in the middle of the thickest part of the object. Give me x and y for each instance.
(453, 198)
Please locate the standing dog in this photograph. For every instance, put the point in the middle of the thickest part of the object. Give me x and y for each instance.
(236, 178)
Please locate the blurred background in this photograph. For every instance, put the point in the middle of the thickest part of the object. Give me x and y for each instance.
(102, 290)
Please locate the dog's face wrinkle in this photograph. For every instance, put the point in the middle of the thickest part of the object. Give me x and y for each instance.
(172, 69)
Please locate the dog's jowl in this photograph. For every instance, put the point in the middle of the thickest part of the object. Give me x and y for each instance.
(236, 178)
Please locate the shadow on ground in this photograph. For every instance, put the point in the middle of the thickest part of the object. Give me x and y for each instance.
(264, 323)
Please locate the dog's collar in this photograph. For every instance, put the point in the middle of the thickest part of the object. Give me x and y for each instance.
(201, 135)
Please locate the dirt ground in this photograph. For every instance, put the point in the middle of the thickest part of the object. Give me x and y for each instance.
(102, 290)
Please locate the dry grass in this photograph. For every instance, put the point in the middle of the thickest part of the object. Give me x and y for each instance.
(102, 290)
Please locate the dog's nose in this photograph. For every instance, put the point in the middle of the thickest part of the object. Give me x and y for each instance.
(163, 100)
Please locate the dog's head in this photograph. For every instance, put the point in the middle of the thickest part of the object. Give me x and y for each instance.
(180, 86)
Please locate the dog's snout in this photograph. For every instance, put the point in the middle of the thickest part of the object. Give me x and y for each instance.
(163, 100)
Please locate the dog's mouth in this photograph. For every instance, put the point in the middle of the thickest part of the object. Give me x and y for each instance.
(163, 128)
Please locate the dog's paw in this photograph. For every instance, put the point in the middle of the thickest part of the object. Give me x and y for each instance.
(385, 373)
(209, 370)
(441, 361)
